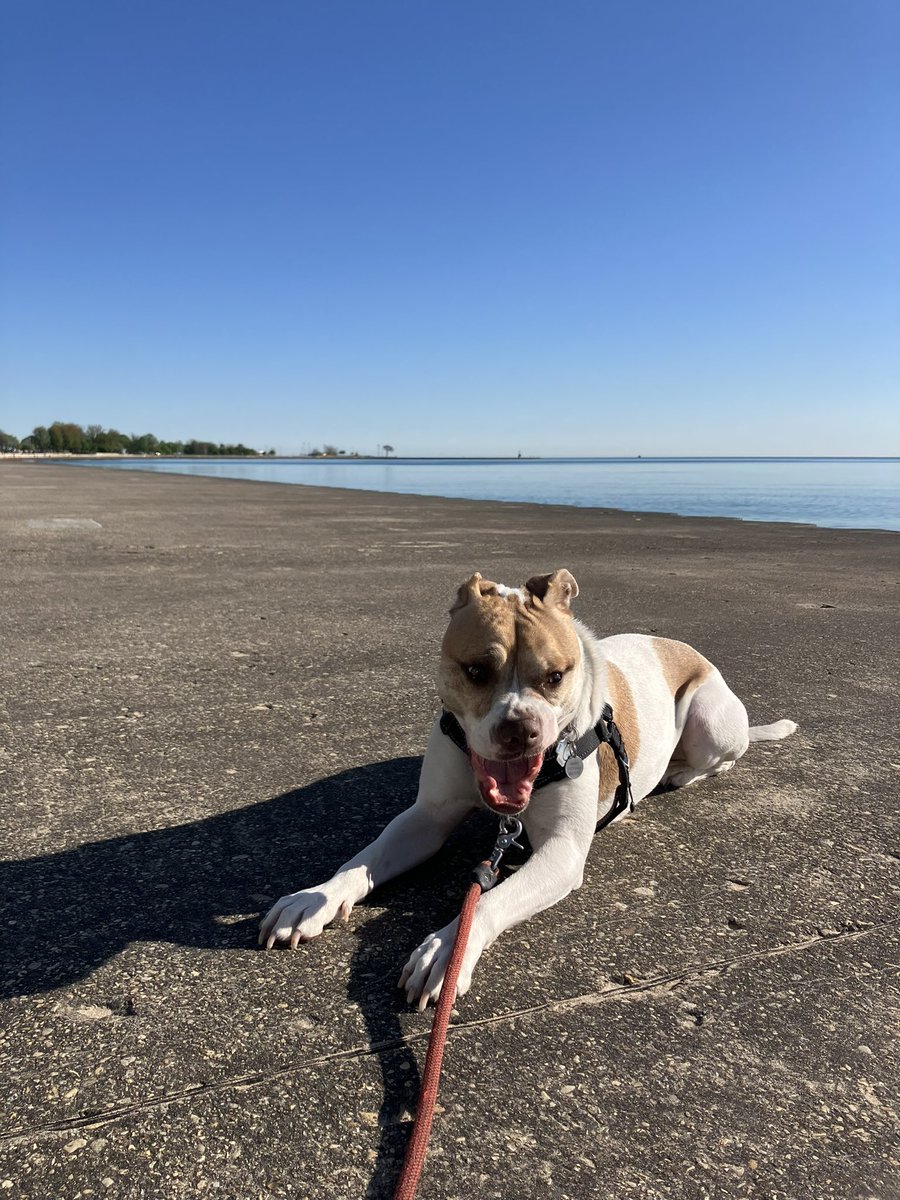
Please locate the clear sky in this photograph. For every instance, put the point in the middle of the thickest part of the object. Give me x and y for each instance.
(511, 225)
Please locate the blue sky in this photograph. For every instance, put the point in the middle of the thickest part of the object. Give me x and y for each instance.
(483, 228)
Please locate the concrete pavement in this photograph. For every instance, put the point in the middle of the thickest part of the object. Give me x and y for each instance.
(213, 691)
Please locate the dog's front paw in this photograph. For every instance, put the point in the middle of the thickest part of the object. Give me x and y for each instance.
(423, 975)
(301, 916)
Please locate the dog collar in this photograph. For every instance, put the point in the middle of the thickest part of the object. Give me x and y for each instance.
(566, 761)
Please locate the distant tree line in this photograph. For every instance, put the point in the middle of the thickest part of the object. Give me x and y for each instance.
(65, 437)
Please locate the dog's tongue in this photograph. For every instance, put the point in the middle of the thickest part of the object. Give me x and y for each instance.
(505, 784)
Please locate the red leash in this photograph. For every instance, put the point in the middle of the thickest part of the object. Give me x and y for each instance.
(418, 1142)
(485, 877)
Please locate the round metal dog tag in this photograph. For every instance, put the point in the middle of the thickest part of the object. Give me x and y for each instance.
(574, 766)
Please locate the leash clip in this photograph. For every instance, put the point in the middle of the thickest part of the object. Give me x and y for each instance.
(485, 874)
(510, 828)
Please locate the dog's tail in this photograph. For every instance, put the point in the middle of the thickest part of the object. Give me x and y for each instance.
(774, 732)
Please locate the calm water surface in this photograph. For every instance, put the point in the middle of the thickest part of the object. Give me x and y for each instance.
(843, 493)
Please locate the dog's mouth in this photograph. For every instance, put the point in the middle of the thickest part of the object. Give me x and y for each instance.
(505, 783)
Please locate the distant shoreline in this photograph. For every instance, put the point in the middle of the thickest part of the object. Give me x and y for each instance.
(861, 493)
(62, 456)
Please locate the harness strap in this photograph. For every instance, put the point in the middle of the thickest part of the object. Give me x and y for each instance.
(454, 731)
(623, 801)
(566, 761)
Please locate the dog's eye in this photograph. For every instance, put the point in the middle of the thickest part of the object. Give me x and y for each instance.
(477, 672)
(554, 679)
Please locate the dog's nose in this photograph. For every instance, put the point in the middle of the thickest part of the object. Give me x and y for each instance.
(520, 736)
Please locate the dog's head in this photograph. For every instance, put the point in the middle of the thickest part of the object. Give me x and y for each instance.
(511, 673)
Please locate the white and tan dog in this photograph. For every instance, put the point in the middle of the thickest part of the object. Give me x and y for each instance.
(518, 673)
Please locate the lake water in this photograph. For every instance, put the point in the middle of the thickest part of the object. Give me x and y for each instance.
(845, 493)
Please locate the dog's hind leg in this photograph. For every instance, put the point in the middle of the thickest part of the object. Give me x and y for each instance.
(715, 735)
(679, 775)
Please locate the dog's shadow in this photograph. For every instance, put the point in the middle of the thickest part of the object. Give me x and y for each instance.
(64, 914)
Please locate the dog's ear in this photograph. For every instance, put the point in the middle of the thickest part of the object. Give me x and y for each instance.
(558, 588)
(470, 590)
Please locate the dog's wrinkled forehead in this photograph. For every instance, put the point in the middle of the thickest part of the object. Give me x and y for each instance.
(490, 617)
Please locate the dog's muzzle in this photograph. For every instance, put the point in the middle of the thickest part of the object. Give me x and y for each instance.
(505, 784)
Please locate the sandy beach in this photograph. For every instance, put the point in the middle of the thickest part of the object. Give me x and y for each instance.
(213, 691)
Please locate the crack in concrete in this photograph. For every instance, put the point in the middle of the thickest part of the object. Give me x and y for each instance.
(659, 985)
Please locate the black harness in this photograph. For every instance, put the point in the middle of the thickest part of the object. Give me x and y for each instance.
(566, 761)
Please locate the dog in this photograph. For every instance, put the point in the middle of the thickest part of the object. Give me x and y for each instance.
(521, 675)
